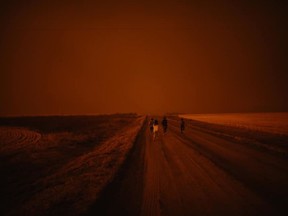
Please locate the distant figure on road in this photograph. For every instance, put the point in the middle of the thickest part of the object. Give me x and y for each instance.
(182, 125)
(151, 125)
(164, 124)
(155, 129)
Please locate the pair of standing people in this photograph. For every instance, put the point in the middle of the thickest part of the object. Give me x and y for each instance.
(165, 124)
(154, 126)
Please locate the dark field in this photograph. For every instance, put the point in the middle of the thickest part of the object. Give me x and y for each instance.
(111, 165)
(42, 154)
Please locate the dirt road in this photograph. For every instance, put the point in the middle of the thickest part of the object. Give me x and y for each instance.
(196, 173)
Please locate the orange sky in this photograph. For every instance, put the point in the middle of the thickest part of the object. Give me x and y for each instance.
(151, 57)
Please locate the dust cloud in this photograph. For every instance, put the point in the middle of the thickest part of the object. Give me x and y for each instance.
(93, 57)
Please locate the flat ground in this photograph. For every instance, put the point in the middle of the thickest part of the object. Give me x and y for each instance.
(58, 165)
(207, 170)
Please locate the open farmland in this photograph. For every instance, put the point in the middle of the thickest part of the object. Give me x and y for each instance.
(267, 122)
(60, 164)
(111, 165)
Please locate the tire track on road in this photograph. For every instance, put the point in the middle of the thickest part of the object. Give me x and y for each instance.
(262, 173)
(151, 196)
(204, 188)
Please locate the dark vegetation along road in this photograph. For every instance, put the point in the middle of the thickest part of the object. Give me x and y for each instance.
(208, 170)
(58, 165)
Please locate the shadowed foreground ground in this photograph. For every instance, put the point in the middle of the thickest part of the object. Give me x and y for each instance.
(200, 172)
(110, 165)
(58, 165)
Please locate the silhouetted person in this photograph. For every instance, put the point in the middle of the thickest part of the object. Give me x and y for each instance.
(151, 125)
(165, 124)
(155, 129)
(182, 125)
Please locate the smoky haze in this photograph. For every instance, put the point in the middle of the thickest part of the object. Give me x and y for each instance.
(152, 57)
